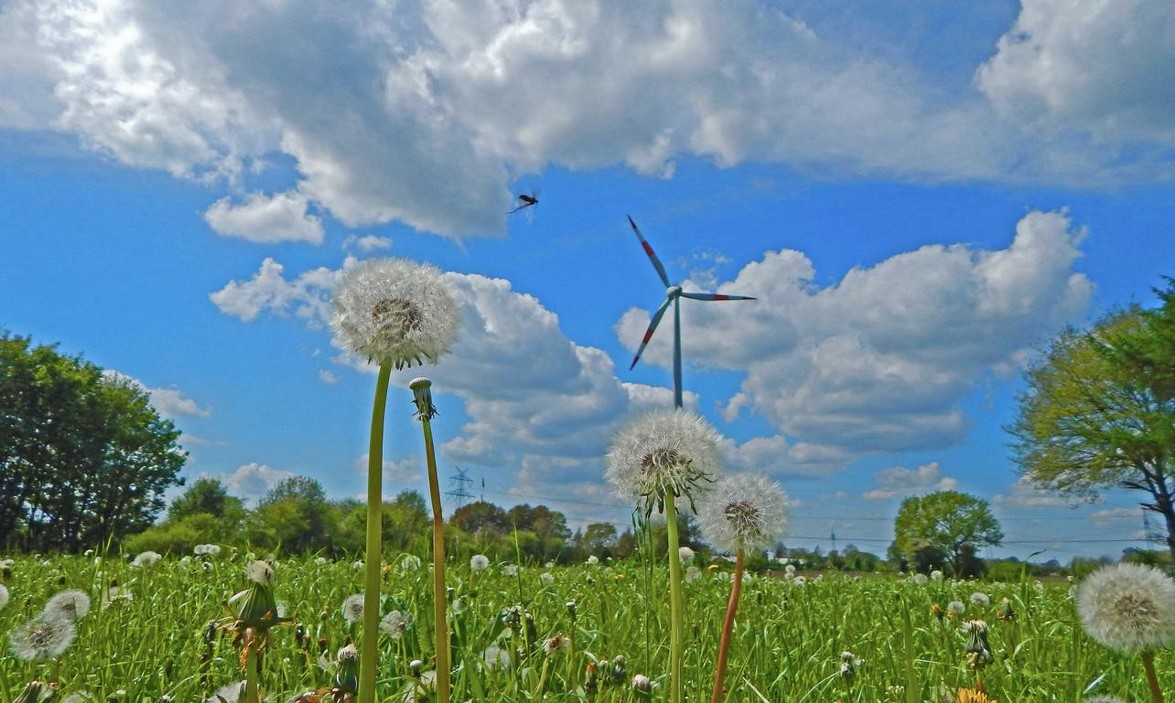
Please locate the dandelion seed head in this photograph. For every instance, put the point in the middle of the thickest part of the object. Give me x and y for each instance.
(661, 453)
(3, 596)
(496, 657)
(555, 643)
(956, 607)
(640, 682)
(1104, 699)
(43, 637)
(918, 579)
(395, 311)
(260, 573)
(347, 653)
(395, 624)
(71, 604)
(981, 599)
(743, 512)
(1128, 607)
(686, 555)
(410, 562)
(546, 578)
(353, 608)
(479, 562)
(146, 559)
(936, 575)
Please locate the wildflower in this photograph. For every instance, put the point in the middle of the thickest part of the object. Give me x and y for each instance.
(357, 565)
(981, 599)
(1005, 611)
(918, 579)
(790, 569)
(936, 575)
(686, 555)
(971, 695)
(208, 550)
(592, 560)
(978, 651)
(479, 562)
(1128, 607)
(555, 643)
(799, 581)
(44, 637)
(664, 452)
(3, 596)
(937, 611)
(547, 578)
(321, 561)
(145, 559)
(496, 657)
(395, 311)
(510, 569)
(744, 512)
(955, 607)
(71, 604)
(395, 624)
(353, 609)
(116, 595)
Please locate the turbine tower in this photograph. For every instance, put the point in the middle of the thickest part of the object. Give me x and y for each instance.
(673, 294)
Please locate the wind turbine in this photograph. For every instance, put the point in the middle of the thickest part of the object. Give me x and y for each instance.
(673, 294)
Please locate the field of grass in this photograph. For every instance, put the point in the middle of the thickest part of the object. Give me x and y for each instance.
(153, 638)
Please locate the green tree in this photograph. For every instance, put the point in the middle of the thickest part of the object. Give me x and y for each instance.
(293, 514)
(952, 524)
(599, 538)
(1099, 411)
(208, 495)
(84, 458)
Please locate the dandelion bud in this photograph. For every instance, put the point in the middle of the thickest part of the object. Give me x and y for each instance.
(642, 683)
(415, 666)
(347, 678)
(571, 609)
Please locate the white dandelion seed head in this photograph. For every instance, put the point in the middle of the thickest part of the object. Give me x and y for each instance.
(357, 565)
(743, 512)
(71, 604)
(260, 573)
(347, 653)
(145, 559)
(1129, 607)
(43, 637)
(936, 575)
(395, 624)
(664, 452)
(321, 561)
(918, 579)
(395, 311)
(479, 562)
(229, 693)
(956, 607)
(686, 555)
(78, 697)
(790, 569)
(546, 578)
(510, 569)
(410, 562)
(980, 598)
(353, 608)
(1104, 699)
(592, 560)
(3, 596)
(692, 573)
(640, 682)
(496, 657)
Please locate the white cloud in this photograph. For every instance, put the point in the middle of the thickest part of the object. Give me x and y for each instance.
(1022, 494)
(898, 482)
(1115, 517)
(268, 291)
(882, 360)
(253, 480)
(328, 377)
(424, 113)
(367, 243)
(1099, 66)
(265, 220)
(170, 403)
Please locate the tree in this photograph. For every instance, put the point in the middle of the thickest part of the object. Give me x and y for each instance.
(84, 458)
(207, 495)
(481, 518)
(293, 514)
(952, 524)
(1099, 411)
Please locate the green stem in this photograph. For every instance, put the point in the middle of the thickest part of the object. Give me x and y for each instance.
(425, 411)
(676, 606)
(373, 559)
(1152, 679)
(251, 695)
(736, 585)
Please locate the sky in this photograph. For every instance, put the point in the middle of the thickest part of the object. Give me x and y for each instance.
(919, 196)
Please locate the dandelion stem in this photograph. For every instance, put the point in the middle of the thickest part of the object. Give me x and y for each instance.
(369, 652)
(736, 584)
(676, 604)
(252, 663)
(1152, 679)
(425, 411)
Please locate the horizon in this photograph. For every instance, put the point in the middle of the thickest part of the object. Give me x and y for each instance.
(920, 200)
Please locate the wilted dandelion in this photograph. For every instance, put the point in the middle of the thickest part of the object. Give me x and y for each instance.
(848, 665)
(555, 643)
(479, 562)
(353, 609)
(977, 650)
(71, 604)
(146, 559)
(43, 637)
(395, 624)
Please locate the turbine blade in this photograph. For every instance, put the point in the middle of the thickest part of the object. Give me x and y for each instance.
(715, 296)
(649, 250)
(649, 332)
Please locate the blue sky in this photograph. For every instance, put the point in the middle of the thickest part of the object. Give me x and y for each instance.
(918, 196)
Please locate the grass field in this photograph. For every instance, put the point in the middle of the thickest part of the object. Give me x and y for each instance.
(153, 639)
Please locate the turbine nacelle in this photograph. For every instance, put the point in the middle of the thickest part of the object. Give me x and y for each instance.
(673, 292)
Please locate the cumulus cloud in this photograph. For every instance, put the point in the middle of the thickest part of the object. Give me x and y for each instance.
(882, 360)
(1099, 66)
(424, 113)
(898, 482)
(308, 295)
(367, 243)
(1023, 494)
(254, 480)
(170, 403)
(1115, 517)
(279, 218)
